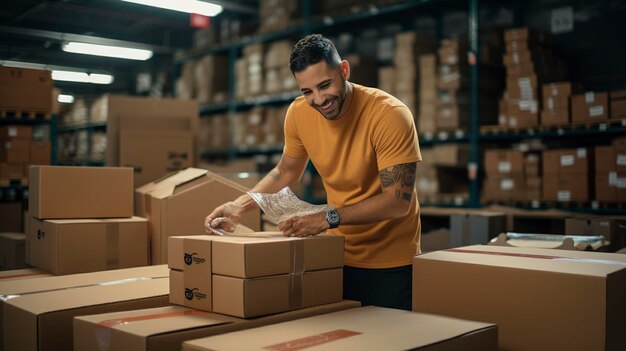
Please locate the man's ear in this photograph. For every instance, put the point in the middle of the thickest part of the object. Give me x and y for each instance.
(345, 70)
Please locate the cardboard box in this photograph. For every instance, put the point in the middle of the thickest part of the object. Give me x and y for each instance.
(43, 321)
(475, 227)
(605, 159)
(510, 187)
(566, 161)
(590, 107)
(70, 246)
(23, 89)
(31, 287)
(14, 150)
(40, 153)
(12, 170)
(166, 328)
(556, 117)
(618, 104)
(567, 187)
(11, 217)
(612, 228)
(234, 275)
(19, 274)
(12, 251)
(366, 328)
(451, 155)
(503, 162)
(538, 282)
(178, 204)
(80, 192)
(15, 131)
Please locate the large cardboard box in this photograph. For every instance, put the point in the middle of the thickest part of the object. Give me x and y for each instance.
(566, 161)
(541, 299)
(29, 287)
(475, 227)
(26, 273)
(80, 192)
(12, 251)
(24, 89)
(366, 328)
(253, 276)
(178, 204)
(43, 321)
(70, 246)
(166, 328)
(590, 107)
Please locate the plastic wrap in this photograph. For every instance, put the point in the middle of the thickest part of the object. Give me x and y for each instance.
(285, 204)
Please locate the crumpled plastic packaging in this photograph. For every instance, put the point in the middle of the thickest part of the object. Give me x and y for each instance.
(285, 204)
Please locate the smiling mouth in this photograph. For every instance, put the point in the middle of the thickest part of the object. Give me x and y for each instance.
(327, 106)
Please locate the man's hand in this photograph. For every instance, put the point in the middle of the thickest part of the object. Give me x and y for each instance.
(301, 226)
(224, 217)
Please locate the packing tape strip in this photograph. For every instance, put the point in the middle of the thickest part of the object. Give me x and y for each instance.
(110, 323)
(545, 257)
(23, 275)
(113, 246)
(112, 282)
(297, 270)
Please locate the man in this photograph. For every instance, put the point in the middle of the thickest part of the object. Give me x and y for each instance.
(363, 143)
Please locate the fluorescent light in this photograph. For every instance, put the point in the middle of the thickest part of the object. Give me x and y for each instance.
(65, 98)
(82, 77)
(107, 50)
(189, 6)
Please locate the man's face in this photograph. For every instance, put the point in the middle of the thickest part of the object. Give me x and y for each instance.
(324, 87)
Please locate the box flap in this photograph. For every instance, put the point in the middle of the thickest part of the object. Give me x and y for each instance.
(167, 186)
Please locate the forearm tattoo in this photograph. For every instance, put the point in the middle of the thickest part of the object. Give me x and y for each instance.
(404, 176)
(274, 174)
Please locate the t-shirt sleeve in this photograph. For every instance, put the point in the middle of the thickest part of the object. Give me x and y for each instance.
(293, 144)
(395, 138)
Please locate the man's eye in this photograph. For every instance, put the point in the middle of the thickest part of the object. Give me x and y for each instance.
(324, 86)
(306, 92)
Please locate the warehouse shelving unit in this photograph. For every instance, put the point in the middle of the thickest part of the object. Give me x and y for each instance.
(90, 127)
(474, 136)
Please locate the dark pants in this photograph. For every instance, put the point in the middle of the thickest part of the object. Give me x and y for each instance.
(388, 287)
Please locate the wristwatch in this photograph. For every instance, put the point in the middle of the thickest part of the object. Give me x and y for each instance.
(332, 217)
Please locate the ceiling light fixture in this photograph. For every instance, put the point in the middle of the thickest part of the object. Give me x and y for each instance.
(65, 98)
(107, 50)
(189, 6)
(82, 77)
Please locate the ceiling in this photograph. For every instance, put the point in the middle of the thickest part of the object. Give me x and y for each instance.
(34, 30)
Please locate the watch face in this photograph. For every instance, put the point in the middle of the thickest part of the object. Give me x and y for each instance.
(333, 218)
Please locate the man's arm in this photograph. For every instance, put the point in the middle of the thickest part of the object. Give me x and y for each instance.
(397, 183)
(288, 171)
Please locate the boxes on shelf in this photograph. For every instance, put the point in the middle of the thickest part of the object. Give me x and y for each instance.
(80, 192)
(566, 175)
(590, 107)
(166, 328)
(537, 281)
(211, 79)
(179, 203)
(12, 251)
(618, 104)
(366, 328)
(71, 246)
(236, 275)
(24, 90)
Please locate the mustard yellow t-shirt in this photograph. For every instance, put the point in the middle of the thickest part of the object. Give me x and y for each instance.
(376, 132)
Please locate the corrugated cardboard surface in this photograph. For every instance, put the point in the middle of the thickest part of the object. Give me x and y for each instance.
(541, 299)
(25, 89)
(179, 203)
(27, 287)
(11, 216)
(18, 274)
(43, 321)
(165, 328)
(70, 246)
(367, 328)
(80, 192)
(12, 251)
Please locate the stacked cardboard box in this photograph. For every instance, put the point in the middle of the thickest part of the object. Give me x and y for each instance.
(566, 175)
(12, 251)
(610, 172)
(532, 173)
(154, 136)
(185, 84)
(618, 104)
(39, 313)
(443, 172)
(276, 15)
(254, 276)
(18, 151)
(25, 91)
(505, 178)
(409, 47)
(213, 133)
(11, 216)
(179, 203)
(367, 328)
(590, 107)
(386, 79)
(259, 127)
(211, 79)
(70, 232)
(278, 77)
(363, 70)
(539, 282)
(529, 63)
(253, 72)
(166, 328)
(556, 103)
(427, 100)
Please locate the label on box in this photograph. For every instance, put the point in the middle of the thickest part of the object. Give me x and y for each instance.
(567, 160)
(504, 167)
(446, 112)
(554, 90)
(550, 103)
(515, 57)
(524, 82)
(620, 183)
(589, 97)
(564, 195)
(621, 159)
(612, 178)
(581, 152)
(595, 111)
(12, 131)
(507, 184)
(513, 121)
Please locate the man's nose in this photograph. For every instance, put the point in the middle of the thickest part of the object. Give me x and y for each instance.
(318, 98)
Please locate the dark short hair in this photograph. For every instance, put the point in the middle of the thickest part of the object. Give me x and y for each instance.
(311, 50)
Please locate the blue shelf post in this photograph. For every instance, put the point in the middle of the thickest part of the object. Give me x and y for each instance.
(473, 166)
